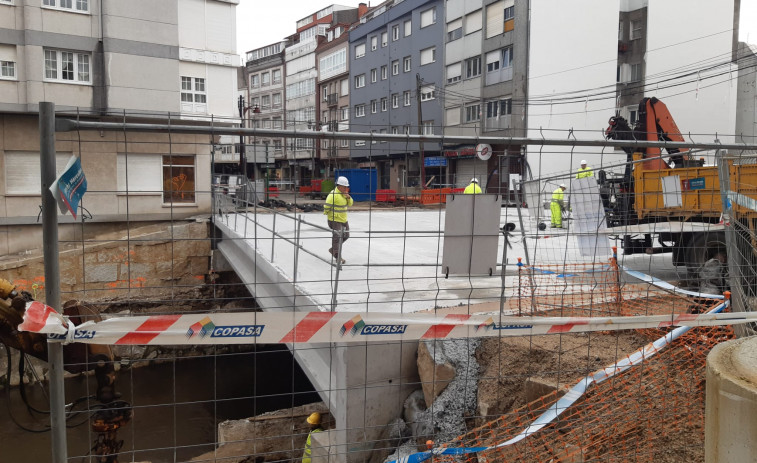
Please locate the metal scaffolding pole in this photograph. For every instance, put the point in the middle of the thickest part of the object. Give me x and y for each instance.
(52, 278)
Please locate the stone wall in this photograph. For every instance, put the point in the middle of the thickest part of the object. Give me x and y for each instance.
(152, 260)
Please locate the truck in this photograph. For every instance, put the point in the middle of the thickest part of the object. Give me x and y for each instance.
(636, 206)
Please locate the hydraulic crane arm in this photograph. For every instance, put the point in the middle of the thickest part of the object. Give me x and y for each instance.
(658, 125)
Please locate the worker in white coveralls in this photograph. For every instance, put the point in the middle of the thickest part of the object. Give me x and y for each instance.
(558, 205)
(314, 420)
(335, 209)
(584, 170)
(472, 188)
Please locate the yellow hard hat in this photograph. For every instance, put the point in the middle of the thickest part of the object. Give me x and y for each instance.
(314, 418)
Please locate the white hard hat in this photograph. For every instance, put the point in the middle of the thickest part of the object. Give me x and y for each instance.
(342, 181)
(562, 185)
(474, 180)
(583, 161)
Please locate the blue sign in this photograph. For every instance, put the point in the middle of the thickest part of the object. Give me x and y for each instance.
(696, 183)
(70, 186)
(435, 161)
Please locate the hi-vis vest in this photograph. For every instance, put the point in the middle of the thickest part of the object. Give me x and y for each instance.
(584, 172)
(306, 455)
(558, 195)
(472, 189)
(336, 206)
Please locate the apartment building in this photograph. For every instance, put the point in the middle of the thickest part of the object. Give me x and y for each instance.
(632, 49)
(266, 83)
(103, 58)
(396, 69)
(301, 98)
(334, 101)
(485, 70)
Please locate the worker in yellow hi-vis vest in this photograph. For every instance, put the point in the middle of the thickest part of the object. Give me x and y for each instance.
(336, 215)
(472, 188)
(314, 420)
(584, 171)
(558, 205)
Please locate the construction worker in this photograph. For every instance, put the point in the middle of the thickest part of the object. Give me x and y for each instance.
(314, 420)
(336, 214)
(473, 188)
(557, 205)
(584, 171)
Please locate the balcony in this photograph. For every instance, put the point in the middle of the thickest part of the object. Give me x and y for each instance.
(332, 99)
(497, 123)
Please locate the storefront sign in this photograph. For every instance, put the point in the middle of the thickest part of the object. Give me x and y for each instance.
(435, 161)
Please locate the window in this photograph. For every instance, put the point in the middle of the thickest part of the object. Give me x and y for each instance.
(428, 17)
(428, 92)
(22, 173)
(332, 64)
(620, 30)
(499, 59)
(277, 100)
(265, 101)
(344, 143)
(452, 116)
(395, 100)
(499, 108)
(495, 19)
(277, 145)
(7, 70)
(472, 67)
(408, 28)
(473, 22)
(395, 67)
(265, 78)
(509, 13)
(633, 115)
(67, 66)
(254, 80)
(277, 122)
(178, 179)
(374, 106)
(454, 73)
(383, 104)
(276, 76)
(406, 98)
(383, 72)
(374, 42)
(359, 51)
(395, 130)
(374, 74)
(407, 129)
(345, 84)
(384, 39)
(406, 63)
(266, 123)
(299, 89)
(428, 55)
(254, 101)
(344, 113)
(395, 32)
(72, 5)
(636, 29)
(360, 81)
(428, 127)
(635, 72)
(193, 96)
(359, 142)
(455, 30)
(492, 61)
(473, 113)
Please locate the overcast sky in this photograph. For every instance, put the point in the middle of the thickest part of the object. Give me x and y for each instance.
(262, 22)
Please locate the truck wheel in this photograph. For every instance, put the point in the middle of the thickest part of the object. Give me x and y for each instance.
(701, 248)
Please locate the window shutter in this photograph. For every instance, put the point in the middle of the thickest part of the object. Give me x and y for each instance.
(454, 70)
(456, 24)
(145, 173)
(495, 19)
(427, 17)
(453, 116)
(473, 22)
(427, 55)
(22, 172)
(492, 56)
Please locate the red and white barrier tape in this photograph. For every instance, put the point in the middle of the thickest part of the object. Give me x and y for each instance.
(342, 327)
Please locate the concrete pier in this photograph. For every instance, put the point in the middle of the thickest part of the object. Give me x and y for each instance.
(731, 403)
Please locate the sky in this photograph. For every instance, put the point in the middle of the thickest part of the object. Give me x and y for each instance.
(263, 22)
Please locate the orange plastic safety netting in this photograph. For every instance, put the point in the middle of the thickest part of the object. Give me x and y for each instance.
(652, 411)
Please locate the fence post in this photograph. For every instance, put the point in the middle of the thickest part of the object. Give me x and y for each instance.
(273, 234)
(297, 246)
(52, 277)
(338, 269)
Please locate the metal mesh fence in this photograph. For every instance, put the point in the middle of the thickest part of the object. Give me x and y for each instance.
(173, 232)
